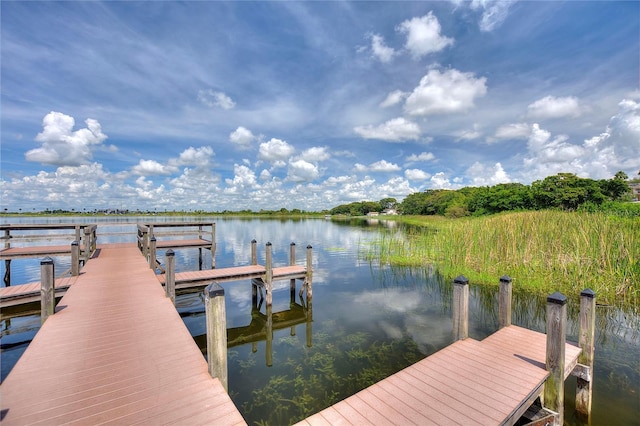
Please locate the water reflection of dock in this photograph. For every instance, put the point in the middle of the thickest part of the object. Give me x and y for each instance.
(263, 325)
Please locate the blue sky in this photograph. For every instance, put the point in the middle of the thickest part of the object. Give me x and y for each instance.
(262, 105)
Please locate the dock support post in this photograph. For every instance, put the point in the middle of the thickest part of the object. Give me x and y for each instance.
(587, 344)
(308, 281)
(269, 336)
(460, 308)
(152, 253)
(87, 244)
(7, 262)
(75, 258)
(268, 281)
(170, 276)
(47, 289)
(216, 333)
(254, 252)
(504, 302)
(213, 246)
(292, 262)
(556, 340)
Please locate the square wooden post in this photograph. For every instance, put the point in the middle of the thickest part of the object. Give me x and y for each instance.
(556, 340)
(460, 308)
(75, 258)
(254, 252)
(170, 276)
(587, 344)
(268, 277)
(216, 318)
(292, 262)
(47, 289)
(308, 281)
(504, 302)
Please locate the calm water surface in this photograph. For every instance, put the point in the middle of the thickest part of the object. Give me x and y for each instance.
(368, 321)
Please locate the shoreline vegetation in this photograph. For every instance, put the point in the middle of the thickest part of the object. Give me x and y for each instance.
(543, 251)
(563, 233)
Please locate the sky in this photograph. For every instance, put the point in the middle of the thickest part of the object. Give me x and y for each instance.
(215, 105)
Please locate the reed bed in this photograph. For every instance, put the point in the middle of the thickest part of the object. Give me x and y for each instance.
(543, 251)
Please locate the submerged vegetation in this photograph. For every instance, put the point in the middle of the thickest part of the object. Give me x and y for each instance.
(543, 251)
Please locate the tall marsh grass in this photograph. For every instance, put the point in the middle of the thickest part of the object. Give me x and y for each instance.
(543, 251)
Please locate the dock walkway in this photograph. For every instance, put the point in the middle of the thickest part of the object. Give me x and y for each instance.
(488, 382)
(116, 351)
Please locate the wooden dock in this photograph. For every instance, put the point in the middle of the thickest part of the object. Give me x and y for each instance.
(116, 351)
(488, 382)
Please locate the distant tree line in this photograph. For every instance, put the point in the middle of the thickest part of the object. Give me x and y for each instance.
(564, 191)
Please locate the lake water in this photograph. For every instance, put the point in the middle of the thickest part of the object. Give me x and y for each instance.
(367, 321)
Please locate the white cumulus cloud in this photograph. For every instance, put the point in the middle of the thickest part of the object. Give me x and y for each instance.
(423, 35)
(152, 167)
(423, 156)
(552, 107)
(61, 145)
(513, 131)
(315, 154)
(302, 171)
(482, 175)
(242, 138)
(445, 92)
(380, 50)
(275, 151)
(395, 130)
(416, 174)
(384, 166)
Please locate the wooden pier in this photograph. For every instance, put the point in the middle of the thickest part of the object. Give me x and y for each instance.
(82, 244)
(116, 351)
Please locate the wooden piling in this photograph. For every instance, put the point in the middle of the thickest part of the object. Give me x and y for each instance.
(309, 278)
(268, 276)
(254, 252)
(216, 318)
(586, 342)
(213, 246)
(47, 289)
(87, 244)
(152, 253)
(460, 308)
(75, 258)
(504, 302)
(269, 336)
(555, 357)
(170, 276)
(292, 262)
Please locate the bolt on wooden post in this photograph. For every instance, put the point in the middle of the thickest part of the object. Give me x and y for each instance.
(47, 289)
(460, 308)
(556, 340)
(216, 318)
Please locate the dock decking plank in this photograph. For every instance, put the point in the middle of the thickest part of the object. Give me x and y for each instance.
(115, 348)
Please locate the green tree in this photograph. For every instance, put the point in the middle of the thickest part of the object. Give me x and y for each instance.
(565, 191)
